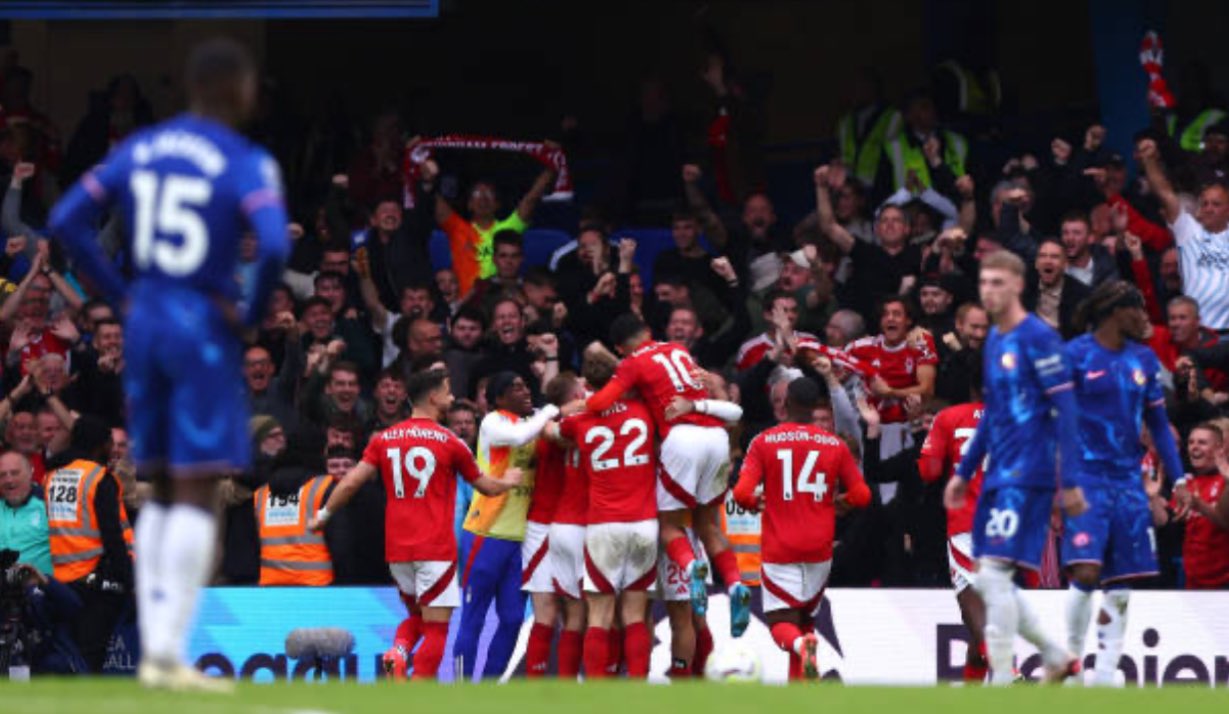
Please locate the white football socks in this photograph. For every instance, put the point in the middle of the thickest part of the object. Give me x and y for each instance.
(184, 562)
(1052, 653)
(993, 581)
(1111, 627)
(1079, 612)
(147, 540)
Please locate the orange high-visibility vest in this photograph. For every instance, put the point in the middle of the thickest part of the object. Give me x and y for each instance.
(290, 554)
(742, 530)
(76, 541)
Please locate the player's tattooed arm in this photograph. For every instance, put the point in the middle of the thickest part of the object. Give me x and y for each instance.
(490, 486)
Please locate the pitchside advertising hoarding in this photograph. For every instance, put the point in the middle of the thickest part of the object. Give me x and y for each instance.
(872, 636)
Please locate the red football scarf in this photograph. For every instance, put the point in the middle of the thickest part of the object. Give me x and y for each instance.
(549, 156)
(841, 359)
(1152, 57)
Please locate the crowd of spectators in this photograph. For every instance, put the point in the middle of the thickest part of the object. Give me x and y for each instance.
(882, 271)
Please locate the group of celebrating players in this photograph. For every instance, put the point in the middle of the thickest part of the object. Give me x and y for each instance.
(617, 483)
(620, 489)
(620, 480)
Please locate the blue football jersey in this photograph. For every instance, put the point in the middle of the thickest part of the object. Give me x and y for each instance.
(1022, 368)
(1113, 390)
(187, 190)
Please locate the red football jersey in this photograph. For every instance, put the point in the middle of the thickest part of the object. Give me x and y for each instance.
(547, 481)
(898, 367)
(573, 507)
(1205, 546)
(660, 371)
(40, 343)
(947, 441)
(616, 451)
(799, 466)
(419, 461)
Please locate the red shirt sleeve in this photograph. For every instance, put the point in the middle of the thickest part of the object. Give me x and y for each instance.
(1156, 237)
(857, 493)
(928, 354)
(463, 461)
(1143, 280)
(608, 395)
(749, 477)
(373, 454)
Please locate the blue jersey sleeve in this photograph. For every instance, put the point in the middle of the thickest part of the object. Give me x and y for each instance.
(1154, 392)
(1157, 419)
(260, 196)
(73, 219)
(1053, 371)
(1049, 361)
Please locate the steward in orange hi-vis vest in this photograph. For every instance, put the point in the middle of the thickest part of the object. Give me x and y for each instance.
(290, 554)
(72, 519)
(742, 528)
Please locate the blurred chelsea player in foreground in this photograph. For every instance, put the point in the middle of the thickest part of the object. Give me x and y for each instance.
(187, 190)
(1029, 430)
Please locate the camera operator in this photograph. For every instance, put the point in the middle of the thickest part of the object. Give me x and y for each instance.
(91, 540)
(37, 615)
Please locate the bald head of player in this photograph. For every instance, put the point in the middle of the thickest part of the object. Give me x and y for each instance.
(221, 81)
(430, 393)
(628, 332)
(802, 398)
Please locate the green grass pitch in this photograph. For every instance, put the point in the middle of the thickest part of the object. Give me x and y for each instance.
(115, 696)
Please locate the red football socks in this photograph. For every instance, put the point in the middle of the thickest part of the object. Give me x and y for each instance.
(638, 646)
(596, 648)
(569, 654)
(537, 652)
(704, 647)
(614, 650)
(427, 658)
(977, 672)
(679, 669)
(680, 551)
(726, 564)
(408, 632)
(785, 634)
(410, 628)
